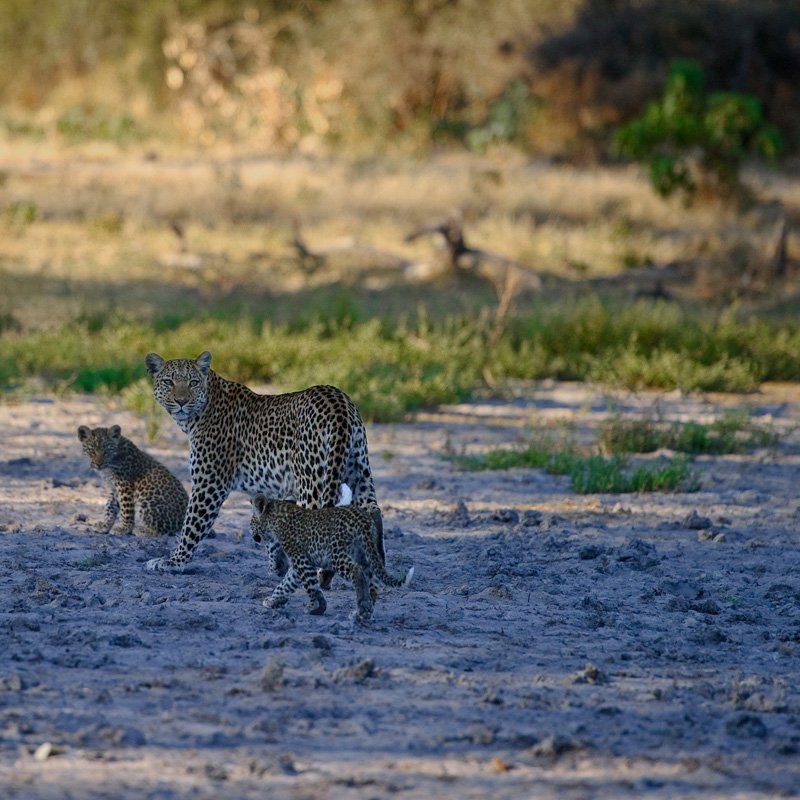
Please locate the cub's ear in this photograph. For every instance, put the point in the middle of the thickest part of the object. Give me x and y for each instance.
(260, 503)
(153, 362)
(203, 361)
(114, 431)
(83, 433)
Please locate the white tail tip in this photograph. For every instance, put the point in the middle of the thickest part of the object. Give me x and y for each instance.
(409, 576)
(345, 495)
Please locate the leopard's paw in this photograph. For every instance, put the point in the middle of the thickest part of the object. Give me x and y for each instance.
(163, 565)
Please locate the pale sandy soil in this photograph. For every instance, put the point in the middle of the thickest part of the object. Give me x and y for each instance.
(551, 645)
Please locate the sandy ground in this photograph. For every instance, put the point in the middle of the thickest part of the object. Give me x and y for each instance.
(551, 645)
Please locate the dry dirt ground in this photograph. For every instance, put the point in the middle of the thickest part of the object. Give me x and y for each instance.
(551, 645)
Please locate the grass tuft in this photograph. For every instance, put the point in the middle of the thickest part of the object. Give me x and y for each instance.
(593, 474)
(732, 433)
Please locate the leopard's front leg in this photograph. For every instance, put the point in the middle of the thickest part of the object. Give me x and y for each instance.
(283, 591)
(302, 571)
(204, 505)
(276, 559)
(127, 508)
(307, 574)
(112, 510)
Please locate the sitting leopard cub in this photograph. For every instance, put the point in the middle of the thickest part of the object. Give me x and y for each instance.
(135, 479)
(342, 538)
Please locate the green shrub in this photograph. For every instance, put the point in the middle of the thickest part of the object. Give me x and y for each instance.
(688, 133)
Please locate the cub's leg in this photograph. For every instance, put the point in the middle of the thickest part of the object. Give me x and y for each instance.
(357, 575)
(112, 510)
(308, 576)
(283, 591)
(150, 522)
(276, 558)
(125, 497)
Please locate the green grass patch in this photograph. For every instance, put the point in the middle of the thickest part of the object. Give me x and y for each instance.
(393, 366)
(592, 474)
(598, 475)
(588, 474)
(732, 433)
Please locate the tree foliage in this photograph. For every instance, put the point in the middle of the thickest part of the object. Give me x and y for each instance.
(689, 137)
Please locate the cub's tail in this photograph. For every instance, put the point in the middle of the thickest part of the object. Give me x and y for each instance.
(394, 580)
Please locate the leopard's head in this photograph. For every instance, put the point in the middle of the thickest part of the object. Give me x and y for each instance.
(265, 514)
(101, 445)
(181, 384)
(259, 522)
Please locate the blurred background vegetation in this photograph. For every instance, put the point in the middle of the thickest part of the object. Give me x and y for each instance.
(555, 77)
(258, 178)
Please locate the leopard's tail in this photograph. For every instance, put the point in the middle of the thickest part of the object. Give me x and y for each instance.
(388, 579)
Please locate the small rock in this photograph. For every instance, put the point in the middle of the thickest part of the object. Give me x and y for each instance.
(216, 772)
(694, 522)
(479, 733)
(45, 750)
(501, 592)
(272, 675)
(128, 737)
(492, 697)
(678, 604)
(507, 515)
(322, 642)
(70, 483)
(11, 683)
(746, 726)
(589, 674)
(553, 746)
(589, 552)
(708, 635)
(356, 673)
(459, 516)
(125, 640)
(531, 518)
(705, 607)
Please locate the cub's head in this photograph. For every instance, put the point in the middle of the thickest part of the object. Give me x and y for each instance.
(100, 444)
(181, 384)
(265, 514)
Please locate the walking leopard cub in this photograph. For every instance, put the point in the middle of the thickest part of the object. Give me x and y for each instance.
(135, 480)
(342, 538)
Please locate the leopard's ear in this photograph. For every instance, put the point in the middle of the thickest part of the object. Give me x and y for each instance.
(114, 431)
(154, 363)
(83, 433)
(203, 361)
(260, 503)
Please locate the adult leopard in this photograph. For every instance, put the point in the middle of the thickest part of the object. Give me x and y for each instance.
(299, 446)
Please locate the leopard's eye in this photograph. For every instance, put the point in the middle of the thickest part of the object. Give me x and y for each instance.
(168, 382)
(194, 383)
